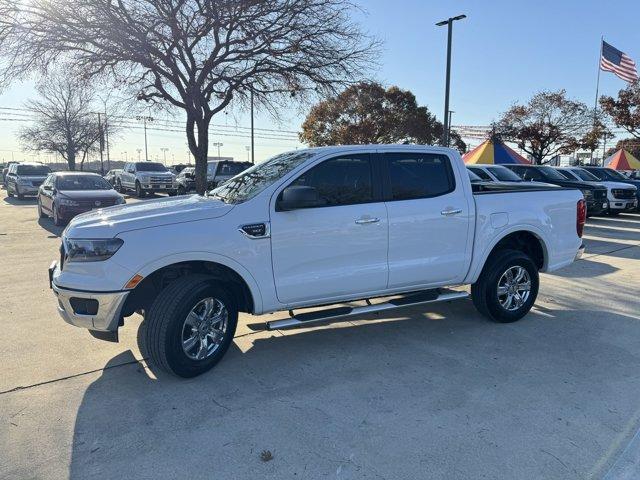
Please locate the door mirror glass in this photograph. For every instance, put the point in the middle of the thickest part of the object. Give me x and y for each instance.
(299, 196)
(47, 187)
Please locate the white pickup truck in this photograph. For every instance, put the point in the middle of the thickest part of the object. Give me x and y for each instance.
(391, 226)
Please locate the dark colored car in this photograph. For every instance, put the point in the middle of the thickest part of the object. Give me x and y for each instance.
(186, 181)
(595, 194)
(611, 175)
(63, 195)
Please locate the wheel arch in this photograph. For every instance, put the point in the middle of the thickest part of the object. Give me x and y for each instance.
(160, 273)
(528, 240)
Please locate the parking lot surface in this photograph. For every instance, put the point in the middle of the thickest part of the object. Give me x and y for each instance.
(425, 393)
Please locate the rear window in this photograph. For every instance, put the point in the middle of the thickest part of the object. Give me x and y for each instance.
(36, 170)
(419, 175)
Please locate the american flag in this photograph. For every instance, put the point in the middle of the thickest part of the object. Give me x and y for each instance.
(615, 61)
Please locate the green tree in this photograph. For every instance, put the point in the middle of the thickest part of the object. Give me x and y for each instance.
(368, 113)
(548, 125)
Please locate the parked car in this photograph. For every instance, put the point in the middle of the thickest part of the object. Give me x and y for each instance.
(146, 177)
(63, 195)
(5, 169)
(307, 228)
(25, 178)
(621, 196)
(594, 194)
(219, 172)
(611, 175)
(112, 176)
(186, 181)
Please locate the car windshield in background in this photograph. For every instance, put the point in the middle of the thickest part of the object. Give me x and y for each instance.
(584, 175)
(232, 168)
(252, 181)
(150, 167)
(566, 174)
(35, 170)
(615, 175)
(504, 174)
(82, 182)
(475, 178)
(551, 173)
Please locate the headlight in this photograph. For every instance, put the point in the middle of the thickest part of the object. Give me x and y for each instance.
(120, 201)
(68, 202)
(91, 250)
(587, 193)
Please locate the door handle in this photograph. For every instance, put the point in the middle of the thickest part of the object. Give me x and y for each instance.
(364, 221)
(448, 213)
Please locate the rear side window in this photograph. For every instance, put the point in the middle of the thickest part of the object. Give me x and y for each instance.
(344, 180)
(419, 175)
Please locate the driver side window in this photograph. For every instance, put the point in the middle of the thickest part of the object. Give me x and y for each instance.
(345, 180)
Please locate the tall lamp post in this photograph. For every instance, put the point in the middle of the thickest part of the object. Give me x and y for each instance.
(451, 112)
(144, 121)
(164, 154)
(449, 23)
(217, 144)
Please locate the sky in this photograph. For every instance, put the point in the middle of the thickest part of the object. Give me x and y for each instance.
(503, 52)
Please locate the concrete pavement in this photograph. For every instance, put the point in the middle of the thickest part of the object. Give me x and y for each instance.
(437, 394)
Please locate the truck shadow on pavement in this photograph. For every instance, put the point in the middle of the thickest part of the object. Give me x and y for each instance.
(50, 227)
(25, 202)
(347, 396)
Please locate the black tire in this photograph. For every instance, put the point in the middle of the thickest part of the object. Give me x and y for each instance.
(139, 191)
(9, 192)
(118, 186)
(56, 219)
(173, 193)
(614, 213)
(485, 291)
(41, 214)
(181, 190)
(18, 194)
(165, 320)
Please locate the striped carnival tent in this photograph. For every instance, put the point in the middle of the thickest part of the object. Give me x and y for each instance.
(492, 152)
(622, 160)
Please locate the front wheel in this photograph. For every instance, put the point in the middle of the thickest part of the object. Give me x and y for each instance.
(190, 325)
(507, 287)
(18, 194)
(139, 191)
(41, 214)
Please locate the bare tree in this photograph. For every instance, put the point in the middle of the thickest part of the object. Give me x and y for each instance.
(197, 55)
(64, 123)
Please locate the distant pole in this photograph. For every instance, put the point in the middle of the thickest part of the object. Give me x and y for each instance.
(595, 108)
(449, 24)
(248, 150)
(164, 154)
(106, 133)
(101, 143)
(145, 119)
(253, 158)
(451, 112)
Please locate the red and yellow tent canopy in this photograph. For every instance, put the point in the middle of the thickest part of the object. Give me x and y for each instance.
(493, 152)
(622, 160)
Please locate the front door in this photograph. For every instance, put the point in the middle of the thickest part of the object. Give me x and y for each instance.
(340, 248)
(429, 220)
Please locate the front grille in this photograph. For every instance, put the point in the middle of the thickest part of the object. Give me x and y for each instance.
(623, 193)
(89, 204)
(160, 180)
(600, 194)
(36, 183)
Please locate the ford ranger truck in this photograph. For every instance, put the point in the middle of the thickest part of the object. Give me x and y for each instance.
(391, 226)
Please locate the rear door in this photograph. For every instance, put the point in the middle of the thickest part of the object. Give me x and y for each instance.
(340, 248)
(430, 220)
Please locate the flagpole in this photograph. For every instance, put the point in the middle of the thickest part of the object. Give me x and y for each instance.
(595, 108)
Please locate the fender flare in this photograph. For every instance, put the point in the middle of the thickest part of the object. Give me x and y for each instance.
(477, 266)
(204, 256)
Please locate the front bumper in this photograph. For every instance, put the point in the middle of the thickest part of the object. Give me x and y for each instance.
(623, 204)
(594, 207)
(27, 189)
(107, 317)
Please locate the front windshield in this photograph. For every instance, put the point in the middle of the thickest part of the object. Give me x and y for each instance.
(504, 174)
(36, 170)
(473, 177)
(150, 167)
(584, 175)
(551, 173)
(254, 180)
(566, 174)
(82, 182)
(615, 175)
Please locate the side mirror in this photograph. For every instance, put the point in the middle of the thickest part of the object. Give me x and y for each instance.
(190, 175)
(295, 197)
(47, 187)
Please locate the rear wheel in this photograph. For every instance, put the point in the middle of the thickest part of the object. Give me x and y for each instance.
(56, 218)
(507, 287)
(190, 325)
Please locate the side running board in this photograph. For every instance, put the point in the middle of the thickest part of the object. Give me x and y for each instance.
(342, 313)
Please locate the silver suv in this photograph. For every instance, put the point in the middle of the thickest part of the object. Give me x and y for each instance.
(146, 177)
(25, 178)
(219, 171)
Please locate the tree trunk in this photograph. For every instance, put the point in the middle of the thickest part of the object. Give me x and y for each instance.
(71, 160)
(199, 148)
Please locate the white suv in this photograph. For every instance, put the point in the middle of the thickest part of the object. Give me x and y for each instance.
(146, 177)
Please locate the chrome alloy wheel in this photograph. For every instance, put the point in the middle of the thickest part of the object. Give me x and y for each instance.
(514, 288)
(204, 329)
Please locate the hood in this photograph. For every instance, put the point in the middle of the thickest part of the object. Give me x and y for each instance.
(32, 177)
(578, 185)
(85, 194)
(109, 222)
(619, 185)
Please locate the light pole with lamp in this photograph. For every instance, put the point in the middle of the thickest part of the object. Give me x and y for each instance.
(449, 23)
(144, 121)
(164, 154)
(217, 144)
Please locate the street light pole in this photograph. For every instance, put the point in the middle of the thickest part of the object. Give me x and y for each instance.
(144, 122)
(253, 158)
(164, 154)
(449, 24)
(451, 112)
(217, 144)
